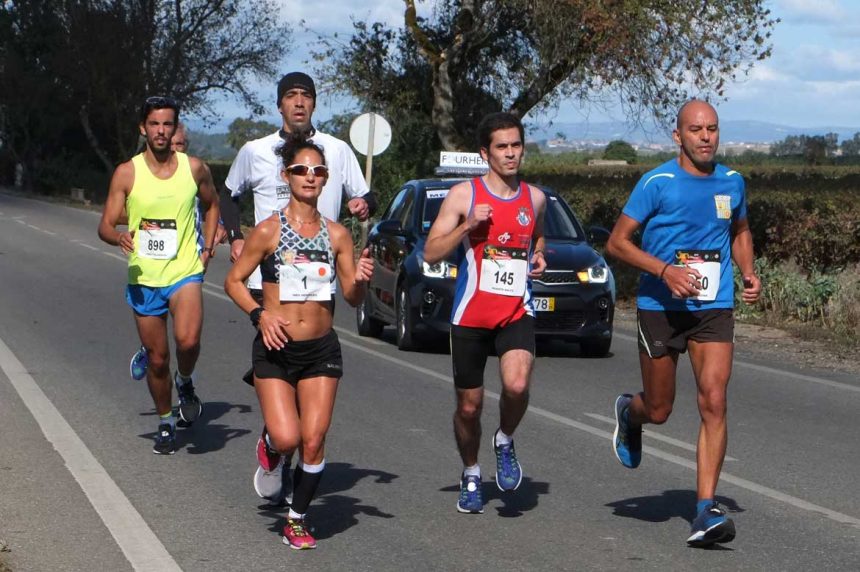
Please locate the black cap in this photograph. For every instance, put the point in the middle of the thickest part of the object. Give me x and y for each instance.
(295, 80)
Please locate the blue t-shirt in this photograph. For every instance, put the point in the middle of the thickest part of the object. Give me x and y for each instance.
(687, 219)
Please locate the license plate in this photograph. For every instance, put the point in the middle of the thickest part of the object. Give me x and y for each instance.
(544, 304)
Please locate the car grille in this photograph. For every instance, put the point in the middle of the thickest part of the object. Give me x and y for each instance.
(560, 320)
(558, 277)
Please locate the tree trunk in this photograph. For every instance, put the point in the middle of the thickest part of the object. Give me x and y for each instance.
(93, 140)
(443, 108)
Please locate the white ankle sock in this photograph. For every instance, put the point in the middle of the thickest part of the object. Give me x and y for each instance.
(501, 439)
(473, 471)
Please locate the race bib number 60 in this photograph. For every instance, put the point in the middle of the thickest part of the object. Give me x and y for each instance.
(157, 239)
(503, 271)
(707, 262)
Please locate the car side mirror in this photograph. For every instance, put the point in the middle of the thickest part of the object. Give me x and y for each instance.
(390, 227)
(598, 235)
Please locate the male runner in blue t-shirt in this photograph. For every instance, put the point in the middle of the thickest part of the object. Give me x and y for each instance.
(693, 216)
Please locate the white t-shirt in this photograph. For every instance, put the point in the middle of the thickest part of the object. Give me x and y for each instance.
(257, 168)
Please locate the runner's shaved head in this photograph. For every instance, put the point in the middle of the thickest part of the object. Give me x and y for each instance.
(690, 109)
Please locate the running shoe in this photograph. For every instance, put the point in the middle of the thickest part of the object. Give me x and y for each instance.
(627, 439)
(190, 406)
(711, 526)
(509, 473)
(138, 363)
(165, 440)
(471, 500)
(268, 478)
(297, 534)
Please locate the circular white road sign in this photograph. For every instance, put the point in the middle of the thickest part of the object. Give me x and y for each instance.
(370, 132)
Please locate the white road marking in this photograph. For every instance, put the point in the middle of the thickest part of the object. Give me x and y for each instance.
(114, 255)
(651, 451)
(34, 227)
(772, 370)
(85, 245)
(137, 541)
(654, 435)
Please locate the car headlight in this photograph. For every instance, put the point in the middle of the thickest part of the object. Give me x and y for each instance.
(597, 274)
(439, 270)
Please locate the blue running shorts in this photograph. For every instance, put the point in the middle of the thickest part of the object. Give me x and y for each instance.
(155, 300)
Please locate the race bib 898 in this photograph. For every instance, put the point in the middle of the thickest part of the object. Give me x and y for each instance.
(157, 239)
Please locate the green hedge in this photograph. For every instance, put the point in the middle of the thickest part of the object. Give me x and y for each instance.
(809, 217)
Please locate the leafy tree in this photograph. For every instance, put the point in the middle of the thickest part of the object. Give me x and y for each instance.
(851, 147)
(471, 57)
(619, 150)
(75, 73)
(240, 131)
(815, 149)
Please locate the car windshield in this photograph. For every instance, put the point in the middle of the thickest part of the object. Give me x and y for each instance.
(432, 201)
(559, 223)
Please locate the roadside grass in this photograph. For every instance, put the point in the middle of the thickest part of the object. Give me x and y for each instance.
(817, 306)
(4, 560)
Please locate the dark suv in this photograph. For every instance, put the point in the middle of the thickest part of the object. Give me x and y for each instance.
(574, 299)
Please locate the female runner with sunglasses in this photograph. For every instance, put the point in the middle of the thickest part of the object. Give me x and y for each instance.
(296, 354)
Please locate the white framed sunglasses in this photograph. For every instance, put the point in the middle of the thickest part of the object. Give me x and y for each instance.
(302, 170)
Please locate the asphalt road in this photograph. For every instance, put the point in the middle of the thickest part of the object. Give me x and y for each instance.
(81, 490)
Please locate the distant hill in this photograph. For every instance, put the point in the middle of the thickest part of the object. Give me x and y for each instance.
(730, 131)
(210, 146)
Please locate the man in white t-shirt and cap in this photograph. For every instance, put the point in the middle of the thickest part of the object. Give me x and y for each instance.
(257, 168)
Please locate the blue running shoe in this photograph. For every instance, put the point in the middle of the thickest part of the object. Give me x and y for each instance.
(627, 439)
(509, 473)
(471, 499)
(138, 363)
(711, 526)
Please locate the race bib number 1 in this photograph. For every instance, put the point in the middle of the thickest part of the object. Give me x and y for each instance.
(305, 275)
(503, 271)
(157, 239)
(707, 262)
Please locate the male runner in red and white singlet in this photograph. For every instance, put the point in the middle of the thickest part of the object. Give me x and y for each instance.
(495, 222)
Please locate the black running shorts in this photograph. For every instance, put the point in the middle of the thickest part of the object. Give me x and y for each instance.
(660, 332)
(298, 360)
(470, 348)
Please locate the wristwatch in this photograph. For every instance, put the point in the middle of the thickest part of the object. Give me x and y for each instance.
(255, 316)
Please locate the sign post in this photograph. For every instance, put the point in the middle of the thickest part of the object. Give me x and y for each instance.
(370, 134)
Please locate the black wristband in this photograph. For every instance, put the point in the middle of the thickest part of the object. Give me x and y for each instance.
(662, 272)
(233, 235)
(255, 316)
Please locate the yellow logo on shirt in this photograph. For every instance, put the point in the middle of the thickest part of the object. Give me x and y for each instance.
(724, 206)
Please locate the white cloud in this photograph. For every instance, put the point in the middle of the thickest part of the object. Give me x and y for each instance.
(812, 11)
(818, 62)
(768, 74)
(337, 15)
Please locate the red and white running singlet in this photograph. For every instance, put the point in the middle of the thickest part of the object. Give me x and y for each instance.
(493, 287)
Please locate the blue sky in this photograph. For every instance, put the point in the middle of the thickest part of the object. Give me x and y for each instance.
(811, 80)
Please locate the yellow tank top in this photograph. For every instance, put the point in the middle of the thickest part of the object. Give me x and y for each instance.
(163, 214)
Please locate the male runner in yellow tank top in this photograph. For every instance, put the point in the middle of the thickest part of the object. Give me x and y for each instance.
(158, 189)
